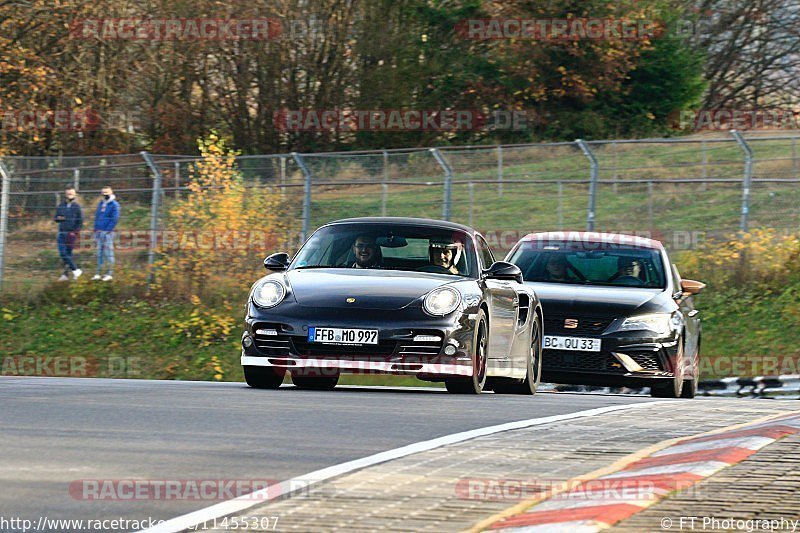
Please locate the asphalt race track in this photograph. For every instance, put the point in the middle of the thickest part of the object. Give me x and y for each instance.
(56, 431)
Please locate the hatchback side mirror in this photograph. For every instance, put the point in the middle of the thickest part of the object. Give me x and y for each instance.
(277, 262)
(689, 286)
(504, 270)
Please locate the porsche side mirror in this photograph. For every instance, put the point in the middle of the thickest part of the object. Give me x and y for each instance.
(503, 270)
(277, 262)
(689, 286)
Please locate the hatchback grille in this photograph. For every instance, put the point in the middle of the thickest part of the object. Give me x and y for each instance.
(580, 361)
(586, 325)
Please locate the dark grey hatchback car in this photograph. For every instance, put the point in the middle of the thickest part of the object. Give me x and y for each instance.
(617, 312)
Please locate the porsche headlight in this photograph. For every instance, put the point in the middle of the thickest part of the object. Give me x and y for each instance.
(661, 323)
(441, 301)
(269, 293)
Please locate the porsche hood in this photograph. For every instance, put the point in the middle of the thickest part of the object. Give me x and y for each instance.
(369, 289)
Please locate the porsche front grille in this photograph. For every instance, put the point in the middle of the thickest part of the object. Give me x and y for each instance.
(303, 347)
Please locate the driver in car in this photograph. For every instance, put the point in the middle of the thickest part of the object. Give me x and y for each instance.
(367, 252)
(557, 268)
(445, 256)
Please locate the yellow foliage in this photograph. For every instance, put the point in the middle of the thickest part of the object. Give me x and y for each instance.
(206, 327)
(762, 256)
(223, 227)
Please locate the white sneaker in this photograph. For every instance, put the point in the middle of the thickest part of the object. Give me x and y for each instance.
(77, 273)
(96, 277)
(63, 278)
(107, 277)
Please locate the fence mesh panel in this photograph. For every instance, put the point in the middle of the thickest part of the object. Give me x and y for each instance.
(678, 190)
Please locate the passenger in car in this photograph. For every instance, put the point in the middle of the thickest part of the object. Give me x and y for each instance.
(629, 267)
(445, 255)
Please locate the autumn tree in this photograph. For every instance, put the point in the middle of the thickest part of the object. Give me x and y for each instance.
(215, 237)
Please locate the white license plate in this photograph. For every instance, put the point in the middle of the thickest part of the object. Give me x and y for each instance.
(342, 335)
(581, 344)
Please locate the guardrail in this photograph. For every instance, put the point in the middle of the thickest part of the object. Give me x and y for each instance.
(785, 387)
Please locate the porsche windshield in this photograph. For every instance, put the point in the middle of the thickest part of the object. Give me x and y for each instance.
(618, 266)
(389, 247)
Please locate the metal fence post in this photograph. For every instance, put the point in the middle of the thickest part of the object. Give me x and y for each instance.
(5, 192)
(471, 187)
(283, 176)
(560, 214)
(500, 170)
(177, 165)
(746, 179)
(385, 184)
(154, 209)
(594, 172)
(76, 179)
(794, 157)
(704, 158)
(448, 182)
(616, 168)
(306, 193)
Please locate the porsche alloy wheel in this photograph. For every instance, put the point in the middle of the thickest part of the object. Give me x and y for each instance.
(530, 382)
(475, 383)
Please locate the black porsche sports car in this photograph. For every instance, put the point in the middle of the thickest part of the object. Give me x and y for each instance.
(617, 312)
(393, 296)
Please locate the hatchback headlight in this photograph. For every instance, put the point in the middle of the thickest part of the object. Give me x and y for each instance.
(661, 323)
(269, 293)
(441, 301)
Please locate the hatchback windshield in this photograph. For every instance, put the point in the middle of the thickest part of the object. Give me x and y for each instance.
(413, 248)
(568, 262)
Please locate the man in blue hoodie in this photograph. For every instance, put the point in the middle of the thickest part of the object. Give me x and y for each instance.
(105, 220)
(69, 216)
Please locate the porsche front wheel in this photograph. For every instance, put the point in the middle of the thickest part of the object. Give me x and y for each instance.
(263, 377)
(475, 383)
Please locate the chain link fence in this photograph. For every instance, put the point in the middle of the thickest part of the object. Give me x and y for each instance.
(681, 191)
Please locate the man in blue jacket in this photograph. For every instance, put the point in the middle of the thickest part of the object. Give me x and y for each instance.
(105, 220)
(69, 216)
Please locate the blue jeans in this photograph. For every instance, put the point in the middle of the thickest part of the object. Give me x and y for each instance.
(105, 251)
(65, 245)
